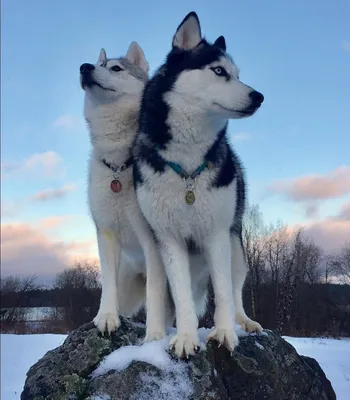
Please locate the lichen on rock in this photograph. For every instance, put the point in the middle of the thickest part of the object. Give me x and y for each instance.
(261, 367)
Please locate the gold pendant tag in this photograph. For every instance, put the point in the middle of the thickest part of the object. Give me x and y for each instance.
(190, 197)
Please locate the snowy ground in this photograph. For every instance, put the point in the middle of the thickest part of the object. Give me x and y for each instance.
(19, 352)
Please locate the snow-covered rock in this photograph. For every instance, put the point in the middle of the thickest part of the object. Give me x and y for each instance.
(90, 366)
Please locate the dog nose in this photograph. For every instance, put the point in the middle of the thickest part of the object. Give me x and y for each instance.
(86, 68)
(256, 97)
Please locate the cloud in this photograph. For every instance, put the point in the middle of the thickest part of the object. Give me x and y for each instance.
(312, 210)
(240, 136)
(28, 249)
(68, 122)
(346, 45)
(45, 164)
(315, 187)
(330, 234)
(12, 209)
(344, 213)
(9, 209)
(51, 194)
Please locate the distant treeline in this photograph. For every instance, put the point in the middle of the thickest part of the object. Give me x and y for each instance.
(289, 288)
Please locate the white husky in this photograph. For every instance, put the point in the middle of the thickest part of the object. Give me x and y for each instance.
(113, 89)
(190, 183)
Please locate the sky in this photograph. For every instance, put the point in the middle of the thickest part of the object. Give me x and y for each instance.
(295, 149)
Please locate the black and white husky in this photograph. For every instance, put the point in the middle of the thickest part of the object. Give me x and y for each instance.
(190, 184)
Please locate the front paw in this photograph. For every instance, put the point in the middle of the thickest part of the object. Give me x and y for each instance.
(248, 324)
(225, 337)
(154, 335)
(184, 345)
(107, 321)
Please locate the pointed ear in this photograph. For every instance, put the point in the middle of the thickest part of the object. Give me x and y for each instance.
(188, 34)
(221, 43)
(102, 57)
(136, 55)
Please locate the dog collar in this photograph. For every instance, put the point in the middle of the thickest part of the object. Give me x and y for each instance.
(189, 179)
(115, 185)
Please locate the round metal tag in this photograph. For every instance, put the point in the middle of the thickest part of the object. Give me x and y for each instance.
(190, 197)
(116, 186)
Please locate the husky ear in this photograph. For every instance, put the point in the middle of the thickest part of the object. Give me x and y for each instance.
(221, 43)
(188, 34)
(136, 55)
(102, 57)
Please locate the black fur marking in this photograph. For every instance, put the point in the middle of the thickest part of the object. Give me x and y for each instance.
(221, 155)
(154, 129)
(221, 43)
(154, 110)
(236, 227)
(192, 246)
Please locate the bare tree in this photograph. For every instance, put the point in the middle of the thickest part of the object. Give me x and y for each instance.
(341, 264)
(79, 276)
(254, 234)
(79, 291)
(14, 299)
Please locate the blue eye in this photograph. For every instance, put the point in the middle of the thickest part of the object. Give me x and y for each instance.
(219, 71)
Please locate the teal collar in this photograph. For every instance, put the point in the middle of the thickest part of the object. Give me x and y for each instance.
(180, 171)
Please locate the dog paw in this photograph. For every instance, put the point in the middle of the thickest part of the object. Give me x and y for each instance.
(151, 336)
(225, 337)
(249, 325)
(107, 322)
(184, 345)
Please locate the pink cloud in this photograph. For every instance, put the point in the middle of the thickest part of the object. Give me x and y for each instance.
(314, 187)
(28, 249)
(344, 213)
(330, 233)
(45, 164)
(51, 194)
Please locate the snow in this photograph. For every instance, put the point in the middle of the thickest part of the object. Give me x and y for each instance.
(19, 352)
(332, 355)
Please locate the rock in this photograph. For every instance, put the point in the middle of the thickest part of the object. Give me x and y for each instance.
(262, 367)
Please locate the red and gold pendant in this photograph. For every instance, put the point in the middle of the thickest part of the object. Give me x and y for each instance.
(116, 186)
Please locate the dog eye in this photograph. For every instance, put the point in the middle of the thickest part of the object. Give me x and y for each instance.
(219, 71)
(116, 68)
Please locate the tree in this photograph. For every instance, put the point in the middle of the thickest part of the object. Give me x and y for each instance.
(253, 234)
(79, 291)
(14, 299)
(341, 264)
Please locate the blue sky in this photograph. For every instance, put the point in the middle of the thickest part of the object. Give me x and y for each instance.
(295, 149)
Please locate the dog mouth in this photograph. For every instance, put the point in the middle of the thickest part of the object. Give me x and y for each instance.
(245, 112)
(88, 82)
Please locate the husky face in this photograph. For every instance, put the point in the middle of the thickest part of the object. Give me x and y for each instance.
(113, 89)
(206, 76)
(109, 79)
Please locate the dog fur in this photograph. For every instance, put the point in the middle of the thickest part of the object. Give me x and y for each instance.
(113, 89)
(183, 119)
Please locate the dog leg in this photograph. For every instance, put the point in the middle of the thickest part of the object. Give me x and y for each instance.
(156, 295)
(218, 249)
(109, 252)
(176, 261)
(239, 273)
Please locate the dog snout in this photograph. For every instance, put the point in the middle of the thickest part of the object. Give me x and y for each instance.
(256, 97)
(86, 67)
